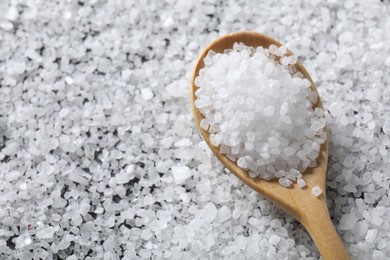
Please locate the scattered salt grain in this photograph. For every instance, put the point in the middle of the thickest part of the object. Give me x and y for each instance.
(371, 235)
(224, 214)
(301, 183)
(12, 14)
(316, 191)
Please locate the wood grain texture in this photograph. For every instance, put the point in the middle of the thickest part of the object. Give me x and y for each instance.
(312, 212)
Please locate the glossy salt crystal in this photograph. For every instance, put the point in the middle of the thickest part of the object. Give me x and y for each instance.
(23, 240)
(316, 191)
(301, 183)
(285, 182)
(12, 14)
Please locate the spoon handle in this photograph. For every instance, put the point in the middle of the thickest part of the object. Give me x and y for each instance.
(317, 222)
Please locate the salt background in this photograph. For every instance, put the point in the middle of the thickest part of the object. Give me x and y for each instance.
(100, 157)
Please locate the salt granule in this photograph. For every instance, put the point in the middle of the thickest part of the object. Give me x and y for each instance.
(259, 135)
(316, 191)
(147, 94)
(180, 173)
(12, 14)
(301, 183)
(371, 234)
(347, 221)
(23, 240)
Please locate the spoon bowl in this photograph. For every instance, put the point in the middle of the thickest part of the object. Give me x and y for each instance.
(310, 211)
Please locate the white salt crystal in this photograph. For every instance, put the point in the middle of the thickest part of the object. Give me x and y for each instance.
(204, 187)
(373, 94)
(146, 234)
(285, 182)
(209, 212)
(347, 221)
(23, 240)
(147, 94)
(224, 214)
(241, 162)
(269, 111)
(204, 124)
(255, 222)
(45, 233)
(360, 229)
(371, 235)
(346, 37)
(301, 183)
(17, 68)
(77, 219)
(67, 15)
(148, 199)
(123, 177)
(63, 112)
(284, 109)
(76, 176)
(377, 215)
(11, 148)
(316, 191)
(164, 166)
(274, 240)
(180, 174)
(168, 22)
(148, 140)
(6, 25)
(215, 139)
(69, 80)
(128, 214)
(12, 14)
(280, 174)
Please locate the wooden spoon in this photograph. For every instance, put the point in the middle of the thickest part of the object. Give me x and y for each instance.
(309, 210)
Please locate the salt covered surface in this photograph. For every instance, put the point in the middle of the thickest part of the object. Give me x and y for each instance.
(259, 111)
(95, 113)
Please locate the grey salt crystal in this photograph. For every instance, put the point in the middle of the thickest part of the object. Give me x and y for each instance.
(285, 182)
(301, 183)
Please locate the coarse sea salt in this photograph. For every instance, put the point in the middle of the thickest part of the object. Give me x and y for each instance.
(114, 49)
(259, 110)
